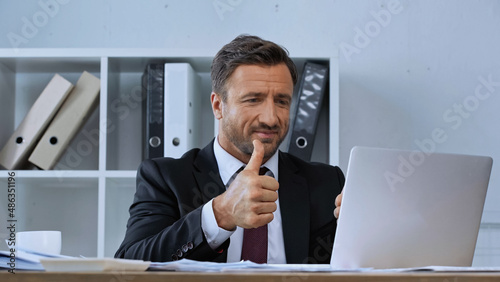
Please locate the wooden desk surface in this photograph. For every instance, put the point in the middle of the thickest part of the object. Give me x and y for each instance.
(226, 277)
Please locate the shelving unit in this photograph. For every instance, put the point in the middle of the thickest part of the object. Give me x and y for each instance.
(88, 194)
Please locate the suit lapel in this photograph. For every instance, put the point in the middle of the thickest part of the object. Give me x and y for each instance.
(295, 211)
(206, 174)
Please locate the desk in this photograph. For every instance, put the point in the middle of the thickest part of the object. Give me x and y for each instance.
(243, 277)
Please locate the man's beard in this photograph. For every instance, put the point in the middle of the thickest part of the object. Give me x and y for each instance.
(246, 145)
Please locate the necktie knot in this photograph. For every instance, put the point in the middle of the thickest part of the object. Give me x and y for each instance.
(263, 171)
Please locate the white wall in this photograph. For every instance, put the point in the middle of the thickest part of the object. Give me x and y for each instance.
(401, 76)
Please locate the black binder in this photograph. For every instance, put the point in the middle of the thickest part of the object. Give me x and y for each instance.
(310, 97)
(152, 110)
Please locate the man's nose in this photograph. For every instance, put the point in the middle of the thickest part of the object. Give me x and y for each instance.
(268, 114)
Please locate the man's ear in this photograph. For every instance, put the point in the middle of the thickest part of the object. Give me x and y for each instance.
(216, 101)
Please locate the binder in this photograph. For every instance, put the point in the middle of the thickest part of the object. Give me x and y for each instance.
(152, 111)
(68, 121)
(310, 97)
(182, 109)
(16, 151)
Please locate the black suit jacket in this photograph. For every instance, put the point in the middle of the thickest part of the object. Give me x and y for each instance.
(165, 217)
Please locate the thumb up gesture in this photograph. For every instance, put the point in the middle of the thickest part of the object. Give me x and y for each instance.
(250, 200)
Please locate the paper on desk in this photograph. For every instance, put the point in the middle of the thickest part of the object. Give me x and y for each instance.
(248, 266)
(25, 260)
(193, 265)
(292, 268)
(446, 269)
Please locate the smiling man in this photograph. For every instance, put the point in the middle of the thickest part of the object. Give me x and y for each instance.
(239, 198)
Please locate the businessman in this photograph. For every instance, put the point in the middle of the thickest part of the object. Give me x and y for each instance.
(239, 198)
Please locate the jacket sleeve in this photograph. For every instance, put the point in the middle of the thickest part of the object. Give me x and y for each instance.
(161, 227)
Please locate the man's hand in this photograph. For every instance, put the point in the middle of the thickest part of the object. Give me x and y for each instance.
(249, 201)
(338, 203)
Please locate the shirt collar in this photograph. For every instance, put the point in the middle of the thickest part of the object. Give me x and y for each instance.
(228, 164)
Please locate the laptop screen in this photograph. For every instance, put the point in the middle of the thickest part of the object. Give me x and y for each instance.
(410, 209)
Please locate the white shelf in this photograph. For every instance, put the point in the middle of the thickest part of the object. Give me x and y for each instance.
(88, 195)
(54, 173)
(121, 174)
(72, 173)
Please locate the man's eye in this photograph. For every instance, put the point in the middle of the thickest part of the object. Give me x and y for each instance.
(253, 100)
(283, 102)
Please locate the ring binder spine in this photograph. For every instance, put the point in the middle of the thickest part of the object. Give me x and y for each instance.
(153, 111)
(310, 97)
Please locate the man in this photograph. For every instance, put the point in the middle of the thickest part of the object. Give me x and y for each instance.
(213, 204)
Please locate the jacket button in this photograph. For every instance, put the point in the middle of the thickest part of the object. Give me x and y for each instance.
(190, 245)
(174, 257)
(185, 248)
(179, 253)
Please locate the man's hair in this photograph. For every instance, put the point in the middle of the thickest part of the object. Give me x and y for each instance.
(247, 50)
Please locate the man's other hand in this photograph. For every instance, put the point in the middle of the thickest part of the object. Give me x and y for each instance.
(338, 203)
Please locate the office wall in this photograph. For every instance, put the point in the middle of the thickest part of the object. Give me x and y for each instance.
(409, 70)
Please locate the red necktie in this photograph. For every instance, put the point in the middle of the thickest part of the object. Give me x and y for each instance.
(255, 240)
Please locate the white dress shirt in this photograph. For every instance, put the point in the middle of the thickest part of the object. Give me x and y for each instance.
(215, 235)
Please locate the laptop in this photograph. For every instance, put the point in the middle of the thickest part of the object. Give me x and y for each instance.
(405, 209)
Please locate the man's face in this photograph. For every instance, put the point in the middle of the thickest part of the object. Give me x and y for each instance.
(257, 107)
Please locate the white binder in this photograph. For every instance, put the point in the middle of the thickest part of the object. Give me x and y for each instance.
(182, 109)
(15, 153)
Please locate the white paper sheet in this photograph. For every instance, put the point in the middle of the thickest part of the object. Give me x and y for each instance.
(248, 266)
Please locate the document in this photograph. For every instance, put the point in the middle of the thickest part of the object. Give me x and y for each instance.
(21, 262)
(24, 260)
(444, 269)
(204, 266)
(248, 266)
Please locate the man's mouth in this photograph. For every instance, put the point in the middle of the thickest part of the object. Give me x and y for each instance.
(266, 134)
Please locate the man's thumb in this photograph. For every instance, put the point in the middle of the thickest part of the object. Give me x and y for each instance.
(257, 156)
